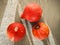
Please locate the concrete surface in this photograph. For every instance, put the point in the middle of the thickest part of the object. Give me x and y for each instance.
(52, 15)
(8, 18)
(2, 8)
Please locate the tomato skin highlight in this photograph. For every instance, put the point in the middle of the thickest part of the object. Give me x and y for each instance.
(41, 32)
(32, 12)
(16, 31)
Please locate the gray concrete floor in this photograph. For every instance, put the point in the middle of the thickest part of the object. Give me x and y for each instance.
(51, 12)
(52, 16)
(2, 8)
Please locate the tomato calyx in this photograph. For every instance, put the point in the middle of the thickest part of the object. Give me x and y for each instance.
(37, 27)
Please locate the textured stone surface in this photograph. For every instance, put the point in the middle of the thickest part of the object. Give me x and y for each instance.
(9, 17)
(2, 8)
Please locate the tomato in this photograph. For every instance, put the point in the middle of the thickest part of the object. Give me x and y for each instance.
(32, 12)
(16, 31)
(40, 31)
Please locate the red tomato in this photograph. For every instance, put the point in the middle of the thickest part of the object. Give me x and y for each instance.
(32, 12)
(40, 31)
(16, 31)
